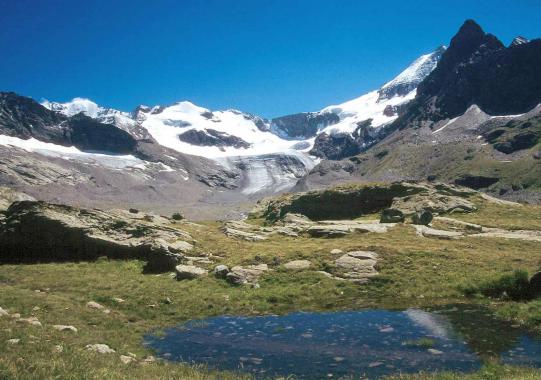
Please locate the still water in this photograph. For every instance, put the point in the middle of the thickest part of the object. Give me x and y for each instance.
(360, 344)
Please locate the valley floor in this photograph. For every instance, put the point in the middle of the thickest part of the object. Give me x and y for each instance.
(415, 271)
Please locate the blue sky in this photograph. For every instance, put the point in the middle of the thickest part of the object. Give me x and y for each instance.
(266, 57)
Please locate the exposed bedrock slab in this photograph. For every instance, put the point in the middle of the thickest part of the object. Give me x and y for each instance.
(42, 232)
(353, 201)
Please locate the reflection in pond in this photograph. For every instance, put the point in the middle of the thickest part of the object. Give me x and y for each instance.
(368, 343)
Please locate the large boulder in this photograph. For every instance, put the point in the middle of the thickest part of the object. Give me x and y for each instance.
(42, 232)
(357, 266)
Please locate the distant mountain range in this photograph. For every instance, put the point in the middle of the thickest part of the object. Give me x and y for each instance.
(467, 114)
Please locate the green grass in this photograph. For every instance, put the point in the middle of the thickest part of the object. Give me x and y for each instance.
(414, 272)
(514, 286)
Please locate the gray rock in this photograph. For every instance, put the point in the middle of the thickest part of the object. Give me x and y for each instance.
(248, 236)
(246, 275)
(126, 359)
(297, 265)
(100, 348)
(97, 306)
(434, 233)
(32, 321)
(357, 266)
(391, 215)
(336, 251)
(422, 217)
(221, 271)
(3, 313)
(189, 272)
(65, 328)
(13, 341)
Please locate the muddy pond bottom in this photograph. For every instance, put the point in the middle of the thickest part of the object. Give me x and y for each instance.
(369, 343)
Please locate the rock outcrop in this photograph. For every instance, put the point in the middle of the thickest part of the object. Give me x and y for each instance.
(353, 201)
(8, 196)
(42, 232)
(478, 69)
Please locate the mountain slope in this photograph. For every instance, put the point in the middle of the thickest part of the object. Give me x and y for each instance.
(478, 69)
(474, 121)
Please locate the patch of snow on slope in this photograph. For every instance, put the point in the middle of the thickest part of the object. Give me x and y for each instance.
(167, 124)
(71, 152)
(417, 71)
(363, 108)
(373, 105)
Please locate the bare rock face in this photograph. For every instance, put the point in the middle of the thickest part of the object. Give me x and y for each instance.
(343, 202)
(43, 232)
(352, 201)
(8, 196)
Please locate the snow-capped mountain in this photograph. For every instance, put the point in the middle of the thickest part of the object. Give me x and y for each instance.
(191, 129)
(270, 155)
(120, 119)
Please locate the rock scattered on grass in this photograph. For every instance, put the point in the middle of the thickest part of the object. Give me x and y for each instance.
(189, 272)
(357, 266)
(221, 271)
(99, 348)
(65, 328)
(336, 251)
(3, 313)
(32, 321)
(298, 265)
(126, 359)
(148, 360)
(58, 348)
(97, 306)
(246, 275)
(13, 341)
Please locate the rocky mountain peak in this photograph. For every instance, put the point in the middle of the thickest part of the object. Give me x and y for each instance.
(409, 79)
(519, 40)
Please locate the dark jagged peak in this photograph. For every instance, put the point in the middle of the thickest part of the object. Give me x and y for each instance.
(477, 69)
(519, 40)
(23, 117)
(469, 45)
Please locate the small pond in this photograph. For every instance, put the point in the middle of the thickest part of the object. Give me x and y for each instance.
(370, 343)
